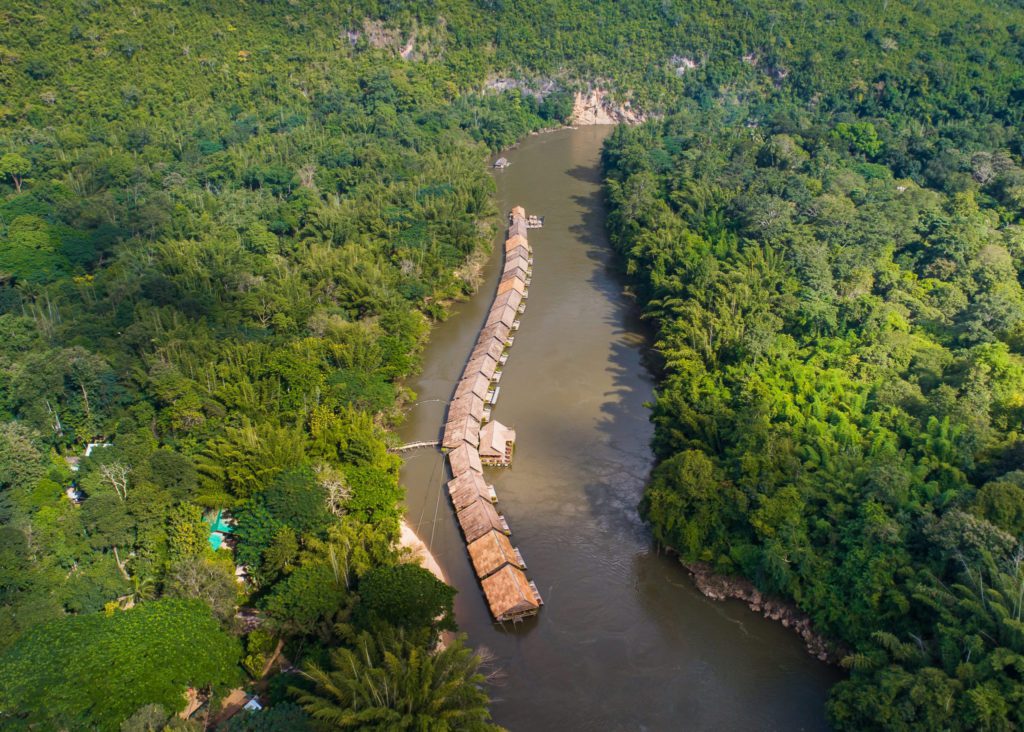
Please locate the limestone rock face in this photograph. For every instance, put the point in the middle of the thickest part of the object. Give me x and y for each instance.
(595, 108)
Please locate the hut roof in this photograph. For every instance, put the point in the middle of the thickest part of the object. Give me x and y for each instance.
(512, 283)
(517, 228)
(505, 315)
(511, 298)
(469, 405)
(491, 348)
(476, 384)
(517, 252)
(516, 263)
(509, 593)
(467, 487)
(464, 458)
(518, 211)
(462, 429)
(516, 241)
(491, 552)
(481, 364)
(478, 518)
(495, 331)
(493, 438)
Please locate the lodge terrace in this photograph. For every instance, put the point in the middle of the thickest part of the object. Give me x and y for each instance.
(472, 440)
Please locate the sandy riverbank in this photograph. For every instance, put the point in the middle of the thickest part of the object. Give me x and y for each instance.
(410, 541)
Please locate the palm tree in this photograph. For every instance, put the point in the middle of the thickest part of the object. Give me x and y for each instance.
(389, 683)
(143, 588)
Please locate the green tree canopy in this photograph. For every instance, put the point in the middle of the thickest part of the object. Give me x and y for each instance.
(96, 670)
(387, 682)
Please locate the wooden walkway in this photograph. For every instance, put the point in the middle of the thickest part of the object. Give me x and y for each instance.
(414, 446)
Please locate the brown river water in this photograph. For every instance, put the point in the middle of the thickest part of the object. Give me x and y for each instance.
(624, 641)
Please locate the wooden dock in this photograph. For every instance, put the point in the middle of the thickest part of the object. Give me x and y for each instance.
(414, 446)
(473, 439)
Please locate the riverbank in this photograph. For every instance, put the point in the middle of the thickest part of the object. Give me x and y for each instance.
(721, 587)
(409, 540)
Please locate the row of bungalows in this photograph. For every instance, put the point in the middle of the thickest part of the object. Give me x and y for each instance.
(472, 440)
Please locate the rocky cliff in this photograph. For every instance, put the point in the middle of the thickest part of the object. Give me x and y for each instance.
(595, 108)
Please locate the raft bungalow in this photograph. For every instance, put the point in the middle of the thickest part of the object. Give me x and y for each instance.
(476, 384)
(515, 263)
(510, 595)
(513, 284)
(501, 163)
(482, 364)
(460, 431)
(506, 315)
(465, 458)
(491, 552)
(514, 242)
(508, 299)
(517, 226)
(497, 443)
(521, 253)
(492, 348)
(467, 487)
(479, 517)
(495, 331)
(468, 406)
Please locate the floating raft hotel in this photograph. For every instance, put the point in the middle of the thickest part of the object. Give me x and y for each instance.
(472, 439)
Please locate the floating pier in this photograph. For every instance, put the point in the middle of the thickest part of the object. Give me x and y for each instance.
(531, 222)
(472, 439)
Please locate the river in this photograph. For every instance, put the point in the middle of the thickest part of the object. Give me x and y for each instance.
(624, 642)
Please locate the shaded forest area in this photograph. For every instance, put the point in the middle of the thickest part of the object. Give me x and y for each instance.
(837, 292)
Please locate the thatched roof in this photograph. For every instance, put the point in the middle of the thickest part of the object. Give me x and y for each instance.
(495, 331)
(509, 593)
(467, 487)
(491, 552)
(464, 458)
(469, 405)
(494, 437)
(475, 383)
(506, 315)
(517, 228)
(478, 518)
(462, 429)
(518, 211)
(481, 364)
(518, 252)
(512, 282)
(516, 241)
(491, 348)
(514, 263)
(510, 298)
